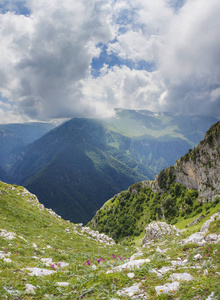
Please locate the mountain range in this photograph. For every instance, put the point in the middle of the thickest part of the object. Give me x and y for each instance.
(72, 169)
(189, 188)
(77, 166)
(43, 256)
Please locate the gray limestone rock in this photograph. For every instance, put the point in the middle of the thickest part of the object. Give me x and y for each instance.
(202, 237)
(211, 297)
(62, 284)
(100, 237)
(158, 230)
(181, 277)
(134, 264)
(30, 289)
(167, 288)
(133, 292)
(199, 169)
(164, 270)
(212, 238)
(39, 271)
(7, 235)
(205, 226)
(197, 257)
(195, 238)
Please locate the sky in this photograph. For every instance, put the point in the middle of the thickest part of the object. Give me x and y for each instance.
(78, 58)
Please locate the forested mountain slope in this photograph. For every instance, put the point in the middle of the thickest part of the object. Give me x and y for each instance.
(73, 169)
(80, 164)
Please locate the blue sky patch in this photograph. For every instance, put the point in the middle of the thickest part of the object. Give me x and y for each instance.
(2, 102)
(113, 60)
(17, 7)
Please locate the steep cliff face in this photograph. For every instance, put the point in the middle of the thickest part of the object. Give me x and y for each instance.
(198, 169)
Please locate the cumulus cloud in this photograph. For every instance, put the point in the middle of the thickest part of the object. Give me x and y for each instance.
(124, 88)
(184, 44)
(47, 54)
(190, 64)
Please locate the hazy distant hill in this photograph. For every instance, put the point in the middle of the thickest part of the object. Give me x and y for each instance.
(157, 139)
(14, 137)
(74, 170)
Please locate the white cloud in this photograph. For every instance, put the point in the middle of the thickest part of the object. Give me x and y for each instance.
(45, 61)
(133, 45)
(190, 58)
(184, 44)
(46, 55)
(215, 95)
(122, 87)
(142, 38)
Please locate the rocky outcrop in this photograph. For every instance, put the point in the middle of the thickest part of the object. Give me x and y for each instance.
(100, 237)
(203, 236)
(205, 226)
(159, 230)
(199, 169)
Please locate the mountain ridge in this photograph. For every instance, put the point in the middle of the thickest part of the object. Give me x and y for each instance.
(94, 161)
(73, 156)
(189, 188)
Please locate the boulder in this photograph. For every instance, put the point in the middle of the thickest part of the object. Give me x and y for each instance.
(195, 238)
(30, 289)
(134, 264)
(158, 230)
(167, 288)
(181, 277)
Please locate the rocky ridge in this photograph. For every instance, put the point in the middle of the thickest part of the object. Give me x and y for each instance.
(199, 169)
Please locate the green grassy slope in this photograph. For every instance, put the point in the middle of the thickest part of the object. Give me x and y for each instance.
(21, 214)
(128, 213)
(40, 235)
